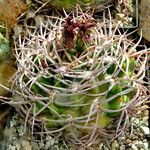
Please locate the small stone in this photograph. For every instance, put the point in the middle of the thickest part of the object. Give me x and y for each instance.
(135, 120)
(133, 137)
(101, 146)
(136, 142)
(105, 148)
(130, 19)
(18, 147)
(140, 145)
(140, 135)
(145, 118)
(145, 130)
(41, 145)
(49, 141)
(11, 147)
(122, 147)
(115, 144)
(145, 146)
(134, 147)
(128, 141)
(144, 141)
(26, 145)
(30, 14)
(120, 15)
(122, 138)
(35, 145)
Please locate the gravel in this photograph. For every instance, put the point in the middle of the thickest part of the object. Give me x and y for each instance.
(16, 138)
(115, 144)
(145, 130)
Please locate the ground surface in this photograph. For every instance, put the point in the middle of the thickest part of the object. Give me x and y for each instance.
(16, 138)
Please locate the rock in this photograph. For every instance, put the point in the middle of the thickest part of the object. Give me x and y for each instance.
(101, 146)
(135, 120)
(145, 146)
(145, 19)
(140, 135)
(134, 147)
(4, 144)
(49, 142)
(122, 147)
(145, 130)
(18, 147)
(41, 145)
(128, 141)
(26, 145)
(115, 144)
(139, 144)
(35, 145)
(122, 138)
(12, 148)
(133, 137)
(105, 148)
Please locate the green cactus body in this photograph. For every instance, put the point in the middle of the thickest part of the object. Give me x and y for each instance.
(130, 71)
(115, 103)
(51, 122)
(111, 69)
(131, 68)
(104, 120)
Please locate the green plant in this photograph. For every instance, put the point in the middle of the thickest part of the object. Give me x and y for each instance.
(76, 77)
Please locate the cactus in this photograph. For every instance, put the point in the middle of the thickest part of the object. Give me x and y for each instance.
(75, 76)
